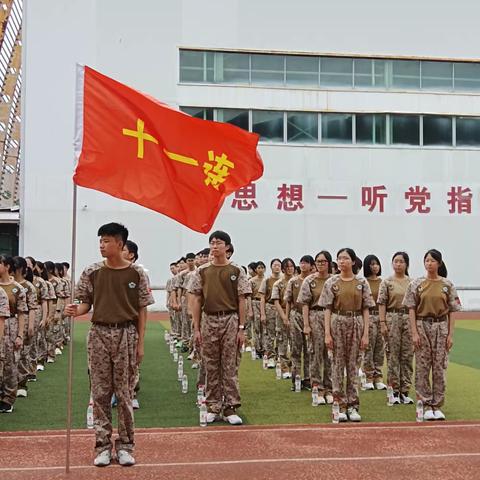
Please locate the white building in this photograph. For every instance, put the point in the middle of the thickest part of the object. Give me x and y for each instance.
(345, 95)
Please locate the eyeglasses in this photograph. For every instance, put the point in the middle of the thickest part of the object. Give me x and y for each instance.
(322, 261)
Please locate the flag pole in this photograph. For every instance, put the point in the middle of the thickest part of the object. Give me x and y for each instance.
(71, 320)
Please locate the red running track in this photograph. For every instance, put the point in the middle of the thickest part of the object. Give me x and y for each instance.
(439, 451)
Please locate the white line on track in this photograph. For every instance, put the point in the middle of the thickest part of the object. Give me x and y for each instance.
(425, 457)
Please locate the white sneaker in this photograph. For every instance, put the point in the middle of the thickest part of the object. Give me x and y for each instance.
(429, 415)
(380, 386)
(286, 375)
(233, 419)
(103, 459)
(22, 392)
(190, 357)
(135, 404)
(438, 415)
(369, 386)
(50, 360)
(321, 400)
(271, 363)
(195, 366)
(125, 458)
(406, 399)
(329, 398)
(40, 368)
(353, 415)
(248, 349)
(342, 417)
(58, 351)
(396, 400)
(211, 417)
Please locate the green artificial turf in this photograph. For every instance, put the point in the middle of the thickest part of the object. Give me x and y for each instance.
(265, 400)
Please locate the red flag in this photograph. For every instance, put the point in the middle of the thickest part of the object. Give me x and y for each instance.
(136, 148)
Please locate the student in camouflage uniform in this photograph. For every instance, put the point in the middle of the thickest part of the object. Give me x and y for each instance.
(56, 327)
(314, 326)
(258, 325)
(395, 328)
(119, 293)
(186, 322)
(282, 327)
(431, 299)
(14, 333)
(375, 353)
(298, 339)
(175, 299)
(220, 288)
(169, 303)
(347, 299)
(268, 313)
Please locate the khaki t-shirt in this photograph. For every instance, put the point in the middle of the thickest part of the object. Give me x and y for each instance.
(115, 294)
(311, 290)
(255, 283)
(30, 294)
(17, 298)
(375, 287)
(392, 292)
(220, 286)
(41, 289)
(266, 288)
(432, 298)
(292, 291)
(351, 295)
(278, 291)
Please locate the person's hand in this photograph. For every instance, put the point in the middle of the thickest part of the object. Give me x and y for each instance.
(416, 340)
(364, 343)
(31, 331)
(140, 352)
(307, 330)
(383, 329)
(285, 320)
(18, 343)
(263, 318)
(329, 342)
(449, 343)
(71, 310)
(240, 337)
(197, 338)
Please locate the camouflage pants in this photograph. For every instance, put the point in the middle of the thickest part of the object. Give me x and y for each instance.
(346, 333)
(269, 330)
(8, 367)
(41, 345)
(53, 335)
(399, 352)
(374, 356)
(221, 359)
(282, 337)
(176, 324)
(320, 365)
(300, 346)
(186, 323)
(258, 332)
(24, 364)
(112, 361)
(432, 356)
(249, 342)
(35, 348)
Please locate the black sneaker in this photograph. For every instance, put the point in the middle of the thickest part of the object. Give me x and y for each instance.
(31, 378)
(306, 385)
(6, 407)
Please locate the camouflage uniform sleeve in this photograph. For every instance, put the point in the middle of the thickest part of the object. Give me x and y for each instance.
(21, 295)
(244, 287)
(288, 295)
(454, 304)
(84, 288)
(367, 297)
(383, 293)
(44, 293)
(31, 295)
(145, 296)
(262, 289)
(51, 292)
(276, 291)
(168, 286)
(195, 286)
(305, 294)
(411, 298)
(4, 305)
(327, 296)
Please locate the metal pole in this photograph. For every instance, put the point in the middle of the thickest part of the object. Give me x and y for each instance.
(72, 325)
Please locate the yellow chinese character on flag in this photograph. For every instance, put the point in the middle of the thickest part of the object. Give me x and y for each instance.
(217, 170)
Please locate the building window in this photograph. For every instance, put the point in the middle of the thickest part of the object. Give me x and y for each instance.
(268, 69)
(232, 68)
(405, 74)
(199, 112)
(336, 72)
(233, 116)
(337, 128)
(302, 71)
(437, 76)
(468, 131)
(269, 125)
(467, 76)
(191, 66)
(369, 73)
(302, 127)
(405, 129)
(437, 130)
(371, 128)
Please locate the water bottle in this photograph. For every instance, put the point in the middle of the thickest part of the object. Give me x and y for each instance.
(90, 414)
(298, 383)
(175, 356)
(180, 370)
(278, 371)
(184, 384)
(315, 396)
(330, 354)
(166, 336)
(363, 380)
(335, 412)
(265, 362)
(254, 354)
(203, 414)
(419, 411)
(389, 396)
(172, 346)
(200, 395)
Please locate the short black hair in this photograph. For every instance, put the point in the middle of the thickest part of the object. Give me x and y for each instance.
(182, 259)
(308, 259)
(132, 247)
(59, 270)
(66, 265)
(205, 252)
(219, 235)
(285, 263)
(252, 265)
(173, 264)
(190, 256)
(113, 230)
(275, 260)
(230, 248)
(367, 271)
(260, 263)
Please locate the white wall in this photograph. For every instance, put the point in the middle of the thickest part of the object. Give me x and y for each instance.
(137, 43)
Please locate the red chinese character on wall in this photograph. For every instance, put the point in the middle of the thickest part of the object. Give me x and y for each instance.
(417, 198)
(460, 200)
(245, 197)
(372, 195)
(290, 197)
